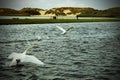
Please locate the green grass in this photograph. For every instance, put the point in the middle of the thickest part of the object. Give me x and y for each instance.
(37, 21)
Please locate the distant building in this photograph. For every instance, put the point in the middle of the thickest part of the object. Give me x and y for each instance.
(54, 17)
(77, 16)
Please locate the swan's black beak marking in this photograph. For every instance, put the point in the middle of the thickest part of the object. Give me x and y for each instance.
(18, 61)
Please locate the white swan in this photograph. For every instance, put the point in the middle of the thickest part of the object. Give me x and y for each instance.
(39, 38)
(63, 30)
(22, 57)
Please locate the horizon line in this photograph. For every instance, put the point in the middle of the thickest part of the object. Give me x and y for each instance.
(59, 7)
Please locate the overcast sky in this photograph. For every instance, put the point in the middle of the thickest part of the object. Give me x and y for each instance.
(47, 4)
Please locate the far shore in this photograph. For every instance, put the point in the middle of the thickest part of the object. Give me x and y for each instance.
(41, 21)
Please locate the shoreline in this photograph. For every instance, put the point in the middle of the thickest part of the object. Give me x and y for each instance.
(46, 21)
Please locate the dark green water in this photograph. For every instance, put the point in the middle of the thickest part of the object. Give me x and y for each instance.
(91, 51)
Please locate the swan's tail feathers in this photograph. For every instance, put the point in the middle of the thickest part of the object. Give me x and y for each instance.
(32, 59)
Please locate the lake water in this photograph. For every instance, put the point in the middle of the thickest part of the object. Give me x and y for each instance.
(90, 51)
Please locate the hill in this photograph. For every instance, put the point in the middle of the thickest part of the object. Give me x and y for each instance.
(111, 12)
(66, 11)
(7, 11)
(30, 11)
(63, 11)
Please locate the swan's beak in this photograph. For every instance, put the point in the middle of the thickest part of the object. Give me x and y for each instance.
(35, 46)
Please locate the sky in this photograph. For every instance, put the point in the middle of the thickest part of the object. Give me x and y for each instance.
(48, 4)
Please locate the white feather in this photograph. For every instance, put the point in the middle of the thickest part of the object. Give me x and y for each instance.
(24, 58)
(32, 59)
(63, 30)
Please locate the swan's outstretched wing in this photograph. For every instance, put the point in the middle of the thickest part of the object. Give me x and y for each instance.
(12, 55)
(15, 56)
(13, 62)
(69, 29)
(61, 29)
(32, 59)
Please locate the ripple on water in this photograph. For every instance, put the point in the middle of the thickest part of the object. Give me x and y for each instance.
(89, 52)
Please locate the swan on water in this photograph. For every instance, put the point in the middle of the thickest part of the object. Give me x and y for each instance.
(63, 30)
(23, 57)
(39, 38)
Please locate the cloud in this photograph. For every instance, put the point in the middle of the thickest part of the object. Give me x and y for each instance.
(47, 4)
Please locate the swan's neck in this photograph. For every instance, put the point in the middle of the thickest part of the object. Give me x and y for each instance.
(27, 50)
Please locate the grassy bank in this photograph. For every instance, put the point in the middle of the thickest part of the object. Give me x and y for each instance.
(37, 21)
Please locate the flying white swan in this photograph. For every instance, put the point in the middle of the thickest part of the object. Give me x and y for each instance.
(22, 57)
(63, 30)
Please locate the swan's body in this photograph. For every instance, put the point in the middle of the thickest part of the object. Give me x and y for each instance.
(63, 30)
(39, 38)
(22, 57)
